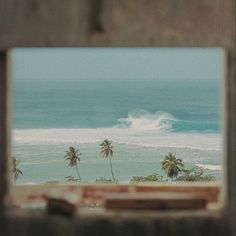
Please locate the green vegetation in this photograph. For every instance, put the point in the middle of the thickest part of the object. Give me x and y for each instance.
(150, 178)
(73, 157)
(107, 151)
(173, 166)
(103, 180)
(71, 179)
(16, 172)
(196, 174)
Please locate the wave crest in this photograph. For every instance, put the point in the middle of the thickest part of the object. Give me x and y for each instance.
(144, 120)
(140, 128)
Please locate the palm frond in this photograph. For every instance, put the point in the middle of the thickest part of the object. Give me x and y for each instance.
(72, 156)
(172, 165)
(16, 171)
(106, 148)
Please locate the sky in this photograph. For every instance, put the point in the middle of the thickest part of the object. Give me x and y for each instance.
(117, 63)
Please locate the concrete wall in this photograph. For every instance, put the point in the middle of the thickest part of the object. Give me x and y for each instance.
(46, 23)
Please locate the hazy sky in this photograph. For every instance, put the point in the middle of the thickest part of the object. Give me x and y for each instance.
(117, 63)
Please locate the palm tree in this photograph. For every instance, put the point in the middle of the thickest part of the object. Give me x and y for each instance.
(73, 157)
(107, 151)
(172, 165)
(15, 170)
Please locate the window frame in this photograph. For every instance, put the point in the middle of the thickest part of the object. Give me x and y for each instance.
(6, 107)
(25, 34)
(188, 187)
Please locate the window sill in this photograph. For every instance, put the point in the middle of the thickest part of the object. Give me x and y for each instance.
(20, 193)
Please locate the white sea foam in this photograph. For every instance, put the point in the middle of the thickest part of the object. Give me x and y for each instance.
(145, 138)
(138, 128)
(210, 167)
(143, 120)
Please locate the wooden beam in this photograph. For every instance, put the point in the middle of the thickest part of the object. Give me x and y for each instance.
(155, 201)
(119, 23)
(168, 23)
(230, 138)
(5, 121)
(43, 23)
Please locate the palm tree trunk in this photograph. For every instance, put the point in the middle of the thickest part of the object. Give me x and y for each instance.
(78, 172)
(112, 170)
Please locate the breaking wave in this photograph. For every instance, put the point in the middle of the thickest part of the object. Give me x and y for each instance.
(138, 128)
(143, 120)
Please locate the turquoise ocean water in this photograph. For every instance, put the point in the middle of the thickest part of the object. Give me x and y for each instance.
(145, 119)
(149, 102)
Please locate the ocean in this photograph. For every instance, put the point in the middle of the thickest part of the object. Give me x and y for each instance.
(144, 119)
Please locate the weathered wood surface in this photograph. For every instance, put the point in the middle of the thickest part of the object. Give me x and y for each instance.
(51, 23)
(5, 121)
(211, 191)
(230, 138)
(48, 23)
(171, 23)
(155, 201)
(19, 194)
